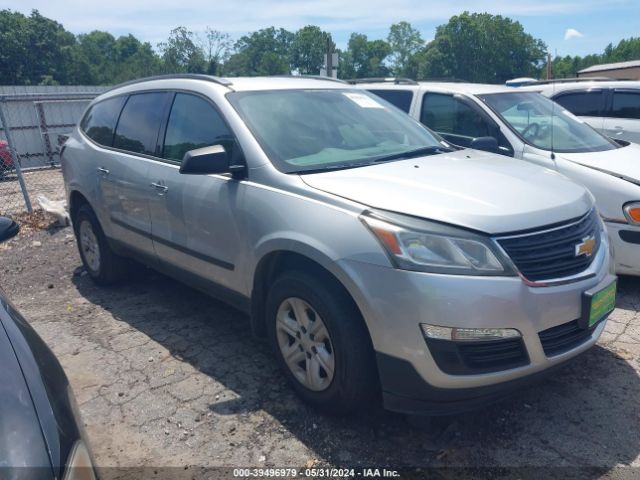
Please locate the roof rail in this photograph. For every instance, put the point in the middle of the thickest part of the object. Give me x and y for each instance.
(394, 80)
(312, 77)
(194, 76)
(571, 80)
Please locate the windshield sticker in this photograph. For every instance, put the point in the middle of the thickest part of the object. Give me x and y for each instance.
(362, 100)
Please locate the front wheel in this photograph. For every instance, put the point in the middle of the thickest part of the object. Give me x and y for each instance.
(321, 342)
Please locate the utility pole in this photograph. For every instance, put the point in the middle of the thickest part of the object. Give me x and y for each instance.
(549, 72)
(329, 56)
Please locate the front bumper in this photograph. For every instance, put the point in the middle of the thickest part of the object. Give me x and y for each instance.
(627, 250)
(395, 302)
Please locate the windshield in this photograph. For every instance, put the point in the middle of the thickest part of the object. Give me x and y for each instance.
(546, 125)
(311, 130)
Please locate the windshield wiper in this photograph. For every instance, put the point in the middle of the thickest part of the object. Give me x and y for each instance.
(418, 152)
(329, 168)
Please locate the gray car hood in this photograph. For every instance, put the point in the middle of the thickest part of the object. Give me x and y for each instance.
(622, 162)
(477, 190)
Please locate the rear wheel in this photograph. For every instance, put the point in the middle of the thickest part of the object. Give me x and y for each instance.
(101, 262)
(321, 342)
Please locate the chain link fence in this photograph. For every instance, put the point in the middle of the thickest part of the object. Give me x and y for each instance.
(34, 123)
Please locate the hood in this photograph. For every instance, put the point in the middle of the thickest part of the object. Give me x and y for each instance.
(472, 189)
(21, 440)
(623, 162)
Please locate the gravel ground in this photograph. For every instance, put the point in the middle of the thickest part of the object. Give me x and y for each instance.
(166, 376)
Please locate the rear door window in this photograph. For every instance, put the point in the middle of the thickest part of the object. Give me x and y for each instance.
(399, 98)
(626, 105)
(100, 121)
(585, 104)
(193, 123)
(140, 121)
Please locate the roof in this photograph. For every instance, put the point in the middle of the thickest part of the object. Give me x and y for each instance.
(611, 66)
(469, 88)
(456, 87)
(550, 89)
(235, 83)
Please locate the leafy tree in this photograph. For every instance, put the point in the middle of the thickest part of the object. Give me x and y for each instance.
(404, 42)
(308, 47)
(180, 54)
(364, 58)
(34, 49)
(216, 47)
(95, 57)
(265, 52)
(13, 38)
(480, 47)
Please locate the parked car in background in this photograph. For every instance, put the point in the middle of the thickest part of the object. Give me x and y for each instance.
(41, 433)
(368, 252)
(6, 160)
(612, 107)
(529, 126)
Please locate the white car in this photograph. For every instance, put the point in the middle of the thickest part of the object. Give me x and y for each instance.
(611, 107)
(529, 126)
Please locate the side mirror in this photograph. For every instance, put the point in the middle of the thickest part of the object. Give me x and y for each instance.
(8, 228)
(488, 144)
(206, 160)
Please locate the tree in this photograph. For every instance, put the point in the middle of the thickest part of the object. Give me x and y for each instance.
(308, 46)
(404, 42)
(364, 58)
(265, 52)
(95, 58)
(180, 54)
(217, 49)
(34, 49)
(480, 47)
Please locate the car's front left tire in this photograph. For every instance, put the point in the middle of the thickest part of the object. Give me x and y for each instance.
(321, 342)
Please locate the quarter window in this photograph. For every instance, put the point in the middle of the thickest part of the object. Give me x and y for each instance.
(586, 104)
(137, 129)
(99, 122)
(193, 123)
(626, 105)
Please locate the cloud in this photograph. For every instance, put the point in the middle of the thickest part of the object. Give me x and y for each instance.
(572, 33)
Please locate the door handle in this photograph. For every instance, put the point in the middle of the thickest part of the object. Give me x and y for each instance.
(160, 188)
(103, 171)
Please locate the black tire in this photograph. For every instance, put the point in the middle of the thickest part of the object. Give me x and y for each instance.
(112, 267)
(355, 382)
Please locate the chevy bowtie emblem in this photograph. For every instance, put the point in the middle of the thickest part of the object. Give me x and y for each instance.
(587, 247)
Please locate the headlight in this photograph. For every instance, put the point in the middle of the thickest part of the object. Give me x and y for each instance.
(421, 245)
(79, 465)
(632, 212)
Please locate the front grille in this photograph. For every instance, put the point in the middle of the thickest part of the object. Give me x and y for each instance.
(564, 337)
(465, 358)
(551, 253)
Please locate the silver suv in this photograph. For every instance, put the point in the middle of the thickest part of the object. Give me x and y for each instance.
(372, 254)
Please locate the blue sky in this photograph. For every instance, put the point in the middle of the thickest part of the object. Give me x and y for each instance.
(591, 24)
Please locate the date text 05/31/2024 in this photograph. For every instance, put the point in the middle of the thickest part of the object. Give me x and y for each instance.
(315, 473)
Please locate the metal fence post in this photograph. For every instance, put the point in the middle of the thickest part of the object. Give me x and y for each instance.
(14, 155)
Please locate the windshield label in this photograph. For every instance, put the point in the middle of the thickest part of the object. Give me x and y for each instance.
(362, 100)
